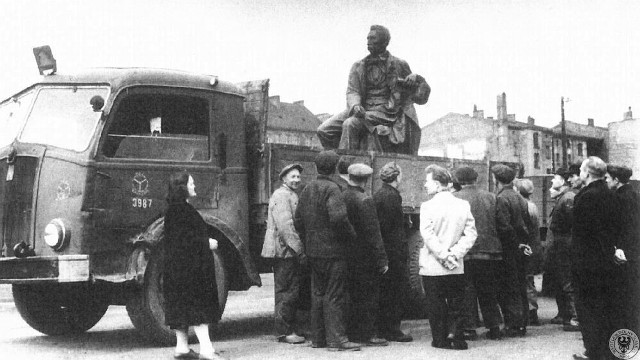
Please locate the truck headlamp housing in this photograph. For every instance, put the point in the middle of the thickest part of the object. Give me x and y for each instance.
(56, 234)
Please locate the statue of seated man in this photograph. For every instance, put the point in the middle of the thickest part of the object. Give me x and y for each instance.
(380, 114)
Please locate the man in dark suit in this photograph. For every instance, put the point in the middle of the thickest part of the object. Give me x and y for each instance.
(512, 218)
(628, 244)
(367, 259)
(322, 221)
(395, 282)
(483, 261)
(594, 236)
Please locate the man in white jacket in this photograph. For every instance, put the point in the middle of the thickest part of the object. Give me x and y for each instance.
(448, 230)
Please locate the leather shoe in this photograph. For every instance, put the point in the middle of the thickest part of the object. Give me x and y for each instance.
(318, 345)
(345, 346)
(456, 343)
(557, 320)
(375, 341)
(581, 356)
(572, 325)
(292, 339)
(494, 333)
(188, 355)
(470, 335)
(399, 337)
(515, 332)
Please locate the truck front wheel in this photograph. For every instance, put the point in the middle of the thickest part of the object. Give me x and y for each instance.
(146, 306)
(59, 309)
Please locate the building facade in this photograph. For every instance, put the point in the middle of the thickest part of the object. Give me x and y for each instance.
(537, 149)
(292, 124)
(623, 143)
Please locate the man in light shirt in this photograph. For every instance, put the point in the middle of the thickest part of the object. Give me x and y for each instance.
(448, 230)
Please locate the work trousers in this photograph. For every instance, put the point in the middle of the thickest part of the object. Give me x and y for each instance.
(445, 301)
(364, 293)
(596, 308)
(481, 288)
(286, 276)
(394, 287)
(562, 284)
(329, 300)
(510, 290)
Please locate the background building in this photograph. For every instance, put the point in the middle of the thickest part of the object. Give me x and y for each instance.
(291, 123)
(623, 142)
(538, 149)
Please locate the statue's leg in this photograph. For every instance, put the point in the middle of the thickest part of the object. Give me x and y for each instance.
(330, 130)
(352, 130)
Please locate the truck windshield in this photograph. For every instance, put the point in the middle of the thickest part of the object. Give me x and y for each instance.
(63, 117)
(12, 115)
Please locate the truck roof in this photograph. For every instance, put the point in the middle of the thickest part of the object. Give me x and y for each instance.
(118, 78)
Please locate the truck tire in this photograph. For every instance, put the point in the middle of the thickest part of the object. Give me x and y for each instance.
(416, 304)
(146, 306)
(59, 309)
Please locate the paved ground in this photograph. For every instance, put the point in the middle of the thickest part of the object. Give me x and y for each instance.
(245, 333)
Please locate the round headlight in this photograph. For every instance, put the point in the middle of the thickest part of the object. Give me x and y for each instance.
(56, 234)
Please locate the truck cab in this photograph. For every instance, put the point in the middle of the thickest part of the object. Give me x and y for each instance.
(84, 164)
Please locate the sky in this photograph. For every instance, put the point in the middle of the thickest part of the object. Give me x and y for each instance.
(469, 51)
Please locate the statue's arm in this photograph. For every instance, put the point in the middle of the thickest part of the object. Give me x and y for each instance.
(354, 87)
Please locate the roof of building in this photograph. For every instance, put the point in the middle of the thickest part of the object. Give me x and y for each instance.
(580, 130)
(290, 116)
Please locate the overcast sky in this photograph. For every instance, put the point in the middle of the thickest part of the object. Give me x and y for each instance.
(469, 51)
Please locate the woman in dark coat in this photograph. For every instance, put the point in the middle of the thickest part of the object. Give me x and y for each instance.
(190, 292)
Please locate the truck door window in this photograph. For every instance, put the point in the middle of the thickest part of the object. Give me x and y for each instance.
(63, 117)
(159, 127)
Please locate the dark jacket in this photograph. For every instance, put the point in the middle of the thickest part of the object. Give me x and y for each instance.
(595, 227)
(483, 209)
(629, 241)
(512, 218)
(389, 210)
(189, 286)
(321, 219)
(562, 213)
(368, 250)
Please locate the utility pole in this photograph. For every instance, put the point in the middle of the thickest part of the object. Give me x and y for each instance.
(563, 134)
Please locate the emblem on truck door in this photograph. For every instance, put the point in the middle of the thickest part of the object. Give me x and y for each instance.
(140, 184)
(63, 191)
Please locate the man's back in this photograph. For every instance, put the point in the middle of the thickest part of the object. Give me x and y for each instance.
(483, 209)
(513, 218)
(595, 220)
(629, 200)
(321, 218)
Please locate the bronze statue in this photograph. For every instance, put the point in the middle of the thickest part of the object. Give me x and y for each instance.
(380, 114)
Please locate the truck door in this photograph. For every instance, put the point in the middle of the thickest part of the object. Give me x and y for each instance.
(152, 133)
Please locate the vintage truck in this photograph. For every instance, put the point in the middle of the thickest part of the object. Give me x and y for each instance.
(83, 174)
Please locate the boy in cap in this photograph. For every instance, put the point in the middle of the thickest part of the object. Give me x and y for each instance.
(283, 245)
(483, 261)
(394, 283)
(367, 259)
(512, 218)
(322, 222)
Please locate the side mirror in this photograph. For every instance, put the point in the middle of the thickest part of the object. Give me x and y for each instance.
(97, 103)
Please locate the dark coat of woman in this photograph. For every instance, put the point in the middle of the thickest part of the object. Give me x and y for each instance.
(190, 291)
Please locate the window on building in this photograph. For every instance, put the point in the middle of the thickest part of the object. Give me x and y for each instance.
(548, 152)
(557, 158)
(536, 161)
(536, 141)
(580, 149)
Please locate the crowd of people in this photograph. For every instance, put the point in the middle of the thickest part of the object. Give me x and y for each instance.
(480, 253)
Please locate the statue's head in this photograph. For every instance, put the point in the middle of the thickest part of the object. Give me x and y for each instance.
(378, 39)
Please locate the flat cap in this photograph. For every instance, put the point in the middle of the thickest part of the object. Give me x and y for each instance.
(360, 170)
(389, 172)
(503, 173)
(285, 170)
(466, 175)
(326, 162)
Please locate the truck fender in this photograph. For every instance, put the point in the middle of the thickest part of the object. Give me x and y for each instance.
(145, 242)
